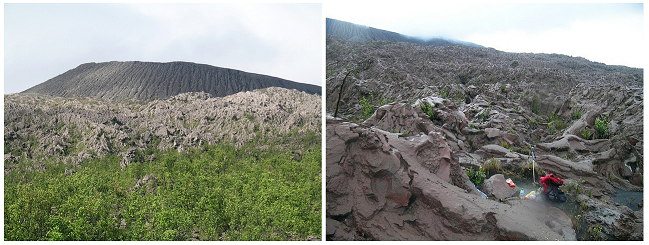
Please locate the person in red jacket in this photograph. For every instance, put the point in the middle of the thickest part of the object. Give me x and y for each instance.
(551, 188)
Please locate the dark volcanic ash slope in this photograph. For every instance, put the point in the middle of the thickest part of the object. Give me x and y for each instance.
(359, 33)
(147, 80)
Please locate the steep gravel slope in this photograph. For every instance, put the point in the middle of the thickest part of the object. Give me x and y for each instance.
(149, 80)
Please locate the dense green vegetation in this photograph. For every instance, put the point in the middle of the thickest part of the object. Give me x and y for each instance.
(217, 192)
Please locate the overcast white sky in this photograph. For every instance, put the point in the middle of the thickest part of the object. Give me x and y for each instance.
(607, 33)
(42, 41)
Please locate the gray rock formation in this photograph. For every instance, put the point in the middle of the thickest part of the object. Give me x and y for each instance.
(406, 72)
(375, 169)
(150, 80)
(40, 127)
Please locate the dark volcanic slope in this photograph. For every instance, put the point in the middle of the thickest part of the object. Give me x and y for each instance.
(147, 80)
(359, 33)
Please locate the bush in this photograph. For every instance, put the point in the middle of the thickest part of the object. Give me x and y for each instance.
(506, 145)
(601, 127)
(367, 108)
(536, 103)
(444, 93)
(491, 167)
(477, 177)
(576, 114)
(585, 134)
(485, 114)
(217, 191)
(428, 110)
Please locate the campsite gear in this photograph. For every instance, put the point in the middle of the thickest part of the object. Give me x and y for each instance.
(484, 196)
(522, 192)
(529, 195)
(551, 188)
(510, 182)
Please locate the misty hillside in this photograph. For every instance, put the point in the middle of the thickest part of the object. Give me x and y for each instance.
(359, 33)
(398, 71)
(149, 80)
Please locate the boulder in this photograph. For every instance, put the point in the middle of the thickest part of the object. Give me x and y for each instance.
(619, 222)
(566, 169)
(492, 133)
(636, 179)
(400, 118)
(496, 187)
(489, 151)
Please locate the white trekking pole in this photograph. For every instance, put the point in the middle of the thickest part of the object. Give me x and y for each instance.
(533, 166)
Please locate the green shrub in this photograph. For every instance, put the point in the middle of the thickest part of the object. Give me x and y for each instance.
(601, 127)
(428, 110)
(367, 108)
(249, 116)
(536, 103)
(506, 145)
(485, 114)
(585, 134)
(216, 192)
(444, 93)
(476, 176)
(576, 114)
(491, 167)
(551, 129)
(560, 124)
(525, 151)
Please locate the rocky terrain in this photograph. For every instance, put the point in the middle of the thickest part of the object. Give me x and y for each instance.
(152, 80)
(76, 129)
(359, 33)
(414, 124)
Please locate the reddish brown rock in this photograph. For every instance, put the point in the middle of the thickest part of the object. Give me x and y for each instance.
(496, 187)
(389, 187)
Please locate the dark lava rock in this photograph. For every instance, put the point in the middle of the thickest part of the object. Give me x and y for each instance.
(151, 80)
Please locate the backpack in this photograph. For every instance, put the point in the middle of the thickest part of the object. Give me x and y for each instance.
(551, 186)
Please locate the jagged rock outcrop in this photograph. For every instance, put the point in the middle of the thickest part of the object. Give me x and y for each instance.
(151, 80)
(619, 222)
(386, 173)
(398, 71)
(387, 186)
(72, 130)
